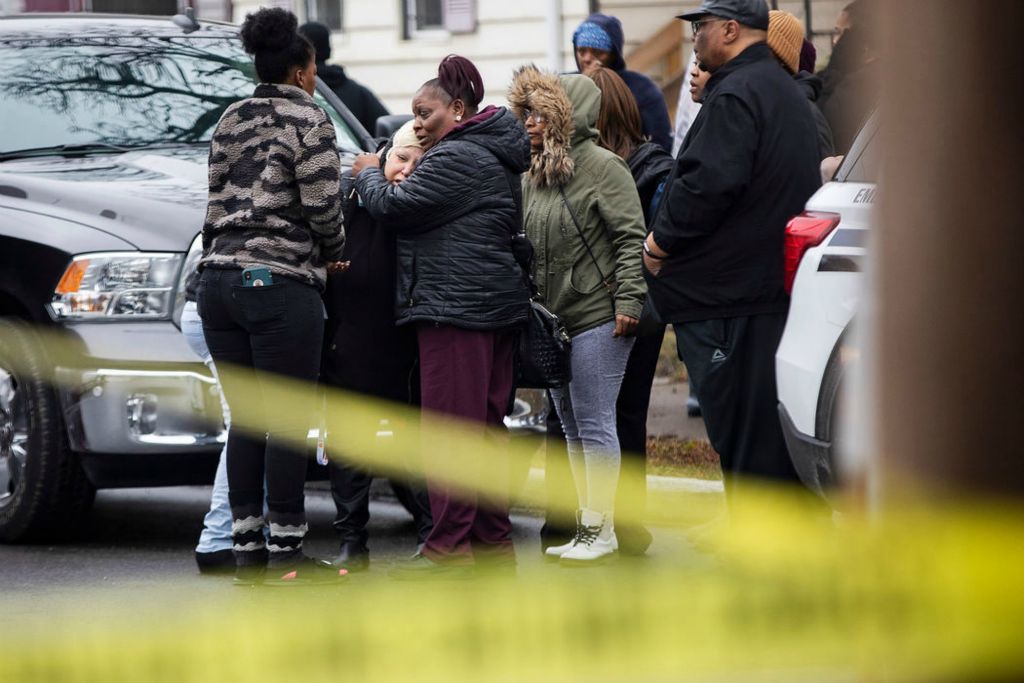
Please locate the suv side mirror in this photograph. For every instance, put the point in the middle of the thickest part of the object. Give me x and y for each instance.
(387, 125)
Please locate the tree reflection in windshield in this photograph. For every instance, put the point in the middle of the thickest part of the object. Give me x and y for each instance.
(121, 90)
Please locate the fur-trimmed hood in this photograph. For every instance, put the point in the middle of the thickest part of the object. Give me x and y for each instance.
(570, 106)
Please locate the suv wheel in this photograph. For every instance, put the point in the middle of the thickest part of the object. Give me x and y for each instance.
(829, 414)
(43, 489)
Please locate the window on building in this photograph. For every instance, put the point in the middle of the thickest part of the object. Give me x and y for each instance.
(330, 13)
(423, 17)
(216, 10)
(154, 7)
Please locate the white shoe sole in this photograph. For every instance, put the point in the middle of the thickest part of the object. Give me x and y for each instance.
(578, 563)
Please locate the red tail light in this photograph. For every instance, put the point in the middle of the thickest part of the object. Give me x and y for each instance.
(804, 231)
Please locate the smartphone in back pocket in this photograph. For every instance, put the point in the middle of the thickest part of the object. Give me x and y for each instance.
(257, 276)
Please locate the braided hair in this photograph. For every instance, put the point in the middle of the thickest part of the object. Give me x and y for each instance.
(457, 79)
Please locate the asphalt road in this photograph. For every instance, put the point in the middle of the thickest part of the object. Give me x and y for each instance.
(139, 541)
(143, 539)
(666, 415)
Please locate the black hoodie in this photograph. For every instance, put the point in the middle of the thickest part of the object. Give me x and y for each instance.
(850, 91)
(653, 111)
(455, 217)
(810, 85)
(363, 104)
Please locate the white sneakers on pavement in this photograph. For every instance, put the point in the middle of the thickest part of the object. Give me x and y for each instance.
(556, 551)
(593, 543)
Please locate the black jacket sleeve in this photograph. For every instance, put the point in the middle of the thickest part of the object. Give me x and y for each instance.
(712, 171)
(444, 186)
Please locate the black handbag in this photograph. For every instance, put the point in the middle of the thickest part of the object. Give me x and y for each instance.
(544, 353)
(544, 350)
(543, 358)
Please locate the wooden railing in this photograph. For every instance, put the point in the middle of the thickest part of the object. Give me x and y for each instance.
(662, 57)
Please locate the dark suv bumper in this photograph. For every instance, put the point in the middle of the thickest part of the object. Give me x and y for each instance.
(811, 457)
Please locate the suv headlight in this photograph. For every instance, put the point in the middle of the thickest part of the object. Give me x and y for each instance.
(120, 285)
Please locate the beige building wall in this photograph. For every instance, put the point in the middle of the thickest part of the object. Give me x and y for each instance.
(508, 33)
(642, 18)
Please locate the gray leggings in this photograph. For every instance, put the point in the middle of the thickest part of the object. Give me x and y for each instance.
(587, 410)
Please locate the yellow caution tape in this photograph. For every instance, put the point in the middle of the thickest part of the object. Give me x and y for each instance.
(929, 594)
(930, 591)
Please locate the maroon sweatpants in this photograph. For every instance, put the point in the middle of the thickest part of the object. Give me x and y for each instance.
(467, 374)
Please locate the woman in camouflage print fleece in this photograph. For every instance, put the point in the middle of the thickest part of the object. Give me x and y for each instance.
(274, 203)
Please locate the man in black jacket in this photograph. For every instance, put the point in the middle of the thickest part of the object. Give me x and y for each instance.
(713, 260)
(357, 97)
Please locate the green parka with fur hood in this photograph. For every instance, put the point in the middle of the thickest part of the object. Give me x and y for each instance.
(601, 191)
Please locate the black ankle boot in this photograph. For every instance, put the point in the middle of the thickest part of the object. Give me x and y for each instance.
(353, 556)
(216, 562)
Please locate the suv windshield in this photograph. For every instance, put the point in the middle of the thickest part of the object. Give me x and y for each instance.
(126, 90)
(862, 162)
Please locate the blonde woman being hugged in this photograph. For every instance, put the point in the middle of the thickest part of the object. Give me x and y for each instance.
(584, 217)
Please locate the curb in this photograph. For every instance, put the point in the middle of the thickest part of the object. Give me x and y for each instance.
(655, 484)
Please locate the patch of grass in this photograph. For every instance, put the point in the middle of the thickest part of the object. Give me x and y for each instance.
(670, 456)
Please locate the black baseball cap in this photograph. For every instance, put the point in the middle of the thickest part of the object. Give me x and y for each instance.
(752, 13)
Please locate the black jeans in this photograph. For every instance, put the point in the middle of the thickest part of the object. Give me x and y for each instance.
(259, 334)
(631, 424)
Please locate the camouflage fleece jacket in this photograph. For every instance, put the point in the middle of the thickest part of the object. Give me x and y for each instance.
(275, 195)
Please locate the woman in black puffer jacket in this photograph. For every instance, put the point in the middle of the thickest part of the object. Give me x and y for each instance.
(459, 284)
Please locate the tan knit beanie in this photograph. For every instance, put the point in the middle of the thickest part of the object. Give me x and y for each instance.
(405, 137)
(785, 38)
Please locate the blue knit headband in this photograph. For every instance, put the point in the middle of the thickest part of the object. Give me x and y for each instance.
(591, 35)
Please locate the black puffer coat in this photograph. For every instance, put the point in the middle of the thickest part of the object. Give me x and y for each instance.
(455, 217)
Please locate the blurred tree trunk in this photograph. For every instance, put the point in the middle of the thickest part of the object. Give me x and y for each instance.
(950, 247)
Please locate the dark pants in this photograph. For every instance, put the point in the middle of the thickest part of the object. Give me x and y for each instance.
(559, 489)
(731, 363)
(631, 421)
(468, 374)
(350, 488)
(631, 425)
(380, 361)
(259, 334)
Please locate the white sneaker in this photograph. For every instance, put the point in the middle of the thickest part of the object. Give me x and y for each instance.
(556, 551)
(595, 541)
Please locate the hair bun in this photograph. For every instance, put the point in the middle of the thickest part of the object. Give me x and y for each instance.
(271, 29)
(460, 78)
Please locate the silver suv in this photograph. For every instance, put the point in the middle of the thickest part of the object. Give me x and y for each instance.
(103, 187)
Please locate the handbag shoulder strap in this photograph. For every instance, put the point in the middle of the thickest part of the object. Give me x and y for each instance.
(604, 280)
